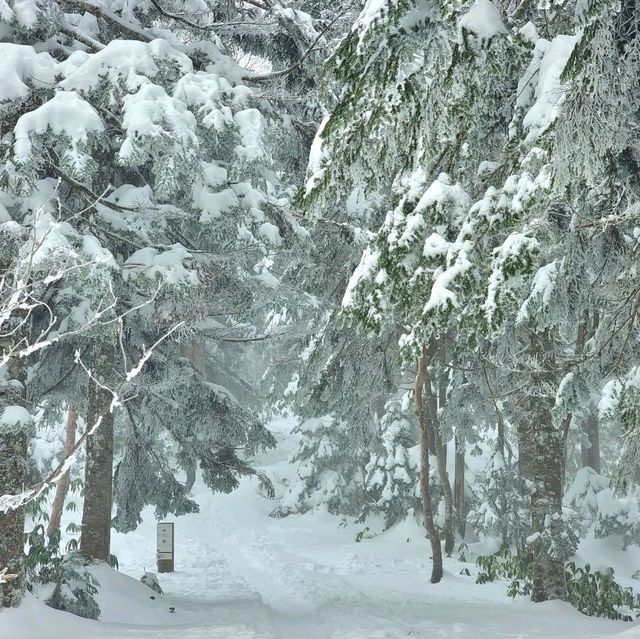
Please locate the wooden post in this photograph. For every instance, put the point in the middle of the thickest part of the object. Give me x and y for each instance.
(165, 547)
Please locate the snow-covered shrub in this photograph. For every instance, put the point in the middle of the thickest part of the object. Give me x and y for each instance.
(582, 495)
(506, 565)
(596, 594)
(558, 539)
(502, 508)
(75, 588)
(149, 579)
(391, 481)
(326, 472)
(619, 515)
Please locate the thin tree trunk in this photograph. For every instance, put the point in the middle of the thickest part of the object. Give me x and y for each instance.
(590, 446)
(459, 488)
(63, 485)
(13, 465)
(425, 487)
(198, 356)
(447, 493)
(95, 539)
(433, 404)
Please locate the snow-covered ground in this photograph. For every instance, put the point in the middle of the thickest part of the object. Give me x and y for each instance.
(243, 575)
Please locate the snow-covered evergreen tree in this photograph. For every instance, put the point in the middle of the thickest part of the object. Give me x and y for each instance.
(391, 476)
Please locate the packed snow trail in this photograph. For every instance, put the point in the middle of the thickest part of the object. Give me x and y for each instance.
(243, 575)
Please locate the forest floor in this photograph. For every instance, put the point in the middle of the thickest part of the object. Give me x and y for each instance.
(243, 575)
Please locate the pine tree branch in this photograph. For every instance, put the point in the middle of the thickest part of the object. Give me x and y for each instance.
(179, 18)
(75, 33)
(100, 12)
(95, 198)
(260, 77)
(265, 5)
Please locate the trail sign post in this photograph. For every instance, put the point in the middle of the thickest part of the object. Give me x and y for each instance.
(165, 547)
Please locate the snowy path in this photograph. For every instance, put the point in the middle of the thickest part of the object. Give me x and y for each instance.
(242, 575)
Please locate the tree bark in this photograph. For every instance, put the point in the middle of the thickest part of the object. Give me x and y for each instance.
(546, 443)
(95, 538)
(434, 403)
(425, 487)
(13, 466)
(447, 493)
(590, 446)
(63, 485)
(459, 488)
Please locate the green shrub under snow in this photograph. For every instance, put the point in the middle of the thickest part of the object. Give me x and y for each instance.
(594, 593)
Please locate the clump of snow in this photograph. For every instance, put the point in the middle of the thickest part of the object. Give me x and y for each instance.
(66, 114)
(529, 32)
(315, 170)
(542, 289)
(24, 12)
(373, 10)
(122, 61)
(443, 194)
(21, 68)
(549, 60)
(169, 265)
(364, 270)
(149, 114)
(271, 233)
(483, 20)
(14, 419)
(515, 249)
(250, 127)
(213, 204)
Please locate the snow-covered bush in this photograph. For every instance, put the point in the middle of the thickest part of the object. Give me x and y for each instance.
(326, 473)
(75, 588)
(392, 473)
(502, 503)
(582, 495)
(596, 594)
(150, 580)
(619, 515)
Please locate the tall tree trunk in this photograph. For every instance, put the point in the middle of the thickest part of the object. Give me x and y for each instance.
(590, 445)
(63, 485)
(546, 444)
(447, 493)
(425, 487)
(458, 488)
(434, 403)
(95, 539)
(13, 466)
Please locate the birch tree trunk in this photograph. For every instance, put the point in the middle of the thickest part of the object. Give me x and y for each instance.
(95, 539)
(425, 487)
(63, 485)
(13, 466)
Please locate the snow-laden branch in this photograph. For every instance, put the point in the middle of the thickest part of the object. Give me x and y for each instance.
(12, 502)
(260, 77)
